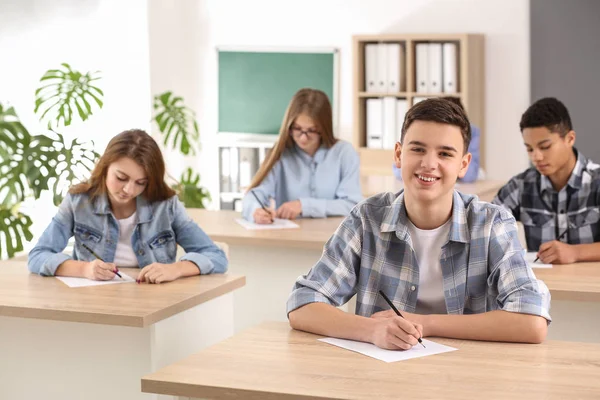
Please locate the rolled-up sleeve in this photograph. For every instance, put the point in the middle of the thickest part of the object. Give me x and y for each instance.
(46, 256)
(518, 290)
(333, 279)
(199, 248)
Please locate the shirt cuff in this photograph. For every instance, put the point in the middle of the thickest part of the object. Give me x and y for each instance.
(204, 264)
(52, 263)
(313, 208)
(304, 296)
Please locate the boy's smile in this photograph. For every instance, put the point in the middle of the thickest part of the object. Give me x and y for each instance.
(431, 159)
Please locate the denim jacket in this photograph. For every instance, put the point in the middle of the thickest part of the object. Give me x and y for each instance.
(160, 227)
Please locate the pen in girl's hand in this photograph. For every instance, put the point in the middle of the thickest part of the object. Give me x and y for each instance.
(99, 258)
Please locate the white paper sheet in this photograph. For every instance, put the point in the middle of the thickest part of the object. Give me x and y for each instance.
(82, 282)
(277, 224)
(371, 350)
(530, 256)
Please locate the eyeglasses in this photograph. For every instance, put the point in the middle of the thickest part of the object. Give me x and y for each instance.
(296, 131)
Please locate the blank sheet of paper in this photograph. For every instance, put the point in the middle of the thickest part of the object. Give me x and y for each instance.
(82, 282)
(277, 224)
(530, 256)
(371, 350)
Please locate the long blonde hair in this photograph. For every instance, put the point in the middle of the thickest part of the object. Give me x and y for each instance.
(315, 104)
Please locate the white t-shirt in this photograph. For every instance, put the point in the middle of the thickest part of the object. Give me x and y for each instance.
(428, 248)
(124, 255)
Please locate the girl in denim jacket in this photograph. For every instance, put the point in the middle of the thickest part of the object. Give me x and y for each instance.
(127, 215)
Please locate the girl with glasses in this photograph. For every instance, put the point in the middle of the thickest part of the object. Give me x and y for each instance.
(309, 173)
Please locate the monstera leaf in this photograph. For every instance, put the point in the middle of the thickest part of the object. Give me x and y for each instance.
(73, 164)
(176, 122)
(14, 227)
(67, 92)
(191, 194)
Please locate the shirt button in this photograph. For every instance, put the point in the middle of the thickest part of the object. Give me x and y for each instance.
(412, 288)
(141, 252)
(562, 211)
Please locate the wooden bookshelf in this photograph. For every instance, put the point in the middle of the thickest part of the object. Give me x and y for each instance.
(471, 88)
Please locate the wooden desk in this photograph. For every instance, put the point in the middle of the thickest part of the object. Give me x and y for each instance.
(575, 308)
(272, 361)
(95, 342)
(271, 260)
(373, 184)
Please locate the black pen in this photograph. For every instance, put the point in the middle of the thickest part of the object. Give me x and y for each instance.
(560, 237)
(261, 204)
(98, 257)
(396, 311)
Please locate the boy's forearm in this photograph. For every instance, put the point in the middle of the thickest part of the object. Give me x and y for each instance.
(325, 319)
(588, 252)
(496, 326)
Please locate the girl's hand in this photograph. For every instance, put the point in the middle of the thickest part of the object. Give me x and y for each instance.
(99, 270)
(289, 210)
(263, 217)
(159, 273)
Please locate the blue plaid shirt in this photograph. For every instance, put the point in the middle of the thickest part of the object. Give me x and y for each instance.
(482, 262)
(546, 213)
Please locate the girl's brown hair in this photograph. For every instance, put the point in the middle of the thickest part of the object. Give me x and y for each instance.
(141, 148)
(315, 104)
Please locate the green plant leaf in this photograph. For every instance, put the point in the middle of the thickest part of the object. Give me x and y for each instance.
(59, 98)
(14, 227)
(176, 122)
(191, 194)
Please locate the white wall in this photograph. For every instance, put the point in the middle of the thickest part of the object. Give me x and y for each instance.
(188, 32)
(106, 35)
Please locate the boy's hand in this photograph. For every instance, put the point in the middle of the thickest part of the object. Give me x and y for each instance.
(555, 252)
(289, 209)
(396, 333)
(384, 314)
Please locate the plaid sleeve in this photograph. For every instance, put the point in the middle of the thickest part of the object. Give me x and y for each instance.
(509, 196)
(333, 278)
(511, 278)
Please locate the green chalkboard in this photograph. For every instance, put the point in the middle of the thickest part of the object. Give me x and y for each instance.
(255, 88)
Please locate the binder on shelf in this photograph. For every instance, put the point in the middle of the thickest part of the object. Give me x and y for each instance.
(435, 67)
(389, 123)
(422, 67)
(234, 168)
(248, 165)
(381, 74)
(394, 67)
(225, 175)
(450, 68)
(371, 67)
(401, 109)
(374, 124)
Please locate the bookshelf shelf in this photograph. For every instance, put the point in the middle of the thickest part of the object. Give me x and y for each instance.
(470, 74)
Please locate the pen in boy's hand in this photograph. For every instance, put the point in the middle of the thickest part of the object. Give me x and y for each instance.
(85, 246)
(560, 237)
(396, 310)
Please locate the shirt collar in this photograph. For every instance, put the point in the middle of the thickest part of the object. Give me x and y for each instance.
(575, 179)
(143, 207)
(395, 219)
(307, 159)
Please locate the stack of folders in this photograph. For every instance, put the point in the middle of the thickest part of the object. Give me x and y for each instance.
(384, 121)
(436, 67)
(383, 67)
(237, 167)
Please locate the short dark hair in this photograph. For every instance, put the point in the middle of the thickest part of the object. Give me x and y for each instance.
(442, 111)
(455, 100)
(550, 113)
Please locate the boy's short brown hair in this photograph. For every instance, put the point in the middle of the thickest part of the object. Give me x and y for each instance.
(442, 111)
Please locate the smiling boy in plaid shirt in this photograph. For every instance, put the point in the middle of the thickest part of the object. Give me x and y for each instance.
(557, 199)
(451, 263)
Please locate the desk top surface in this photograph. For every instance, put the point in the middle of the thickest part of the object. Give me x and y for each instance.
(221, 226)
(576, 282)
(272, 361)
(27, 295)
